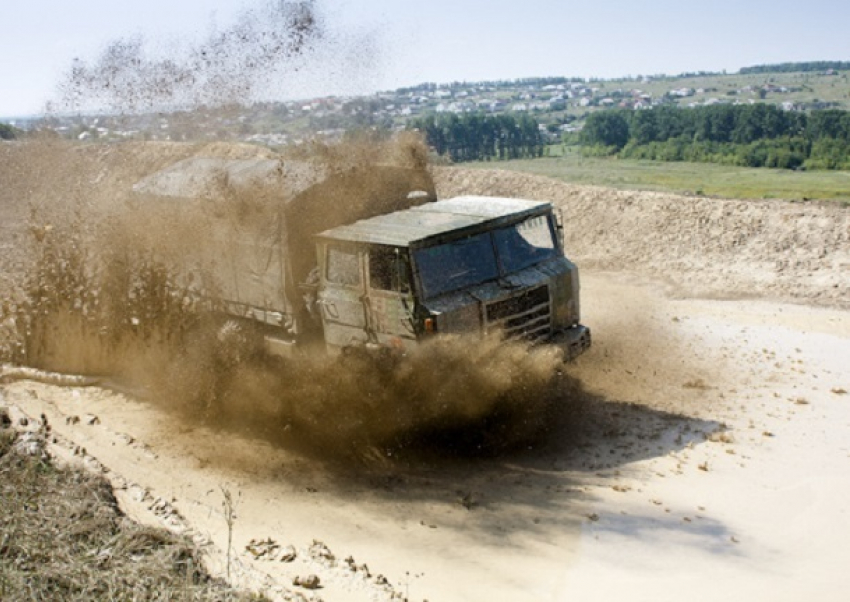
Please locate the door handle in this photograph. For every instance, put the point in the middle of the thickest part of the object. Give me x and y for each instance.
(329, 307)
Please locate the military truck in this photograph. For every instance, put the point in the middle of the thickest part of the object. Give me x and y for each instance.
(467, 265)
(370, 259)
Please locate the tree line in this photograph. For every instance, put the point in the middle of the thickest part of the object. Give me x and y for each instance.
(480, 136)
(797, 67)
(756, 135)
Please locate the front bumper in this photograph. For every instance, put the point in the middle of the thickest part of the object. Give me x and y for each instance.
(574, 341)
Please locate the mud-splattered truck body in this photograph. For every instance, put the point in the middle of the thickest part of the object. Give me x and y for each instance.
(459, 266)
(369, 258)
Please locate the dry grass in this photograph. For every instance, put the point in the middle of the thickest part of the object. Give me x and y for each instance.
(62, 537)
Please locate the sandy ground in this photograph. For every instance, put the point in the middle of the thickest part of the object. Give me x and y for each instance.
(710, 460)
(705, 457)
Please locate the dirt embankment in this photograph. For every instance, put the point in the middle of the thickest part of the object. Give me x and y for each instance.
(702, 247)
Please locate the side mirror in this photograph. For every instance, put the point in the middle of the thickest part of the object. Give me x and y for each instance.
(559, 227)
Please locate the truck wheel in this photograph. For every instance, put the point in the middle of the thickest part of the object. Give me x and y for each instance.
(237, 341)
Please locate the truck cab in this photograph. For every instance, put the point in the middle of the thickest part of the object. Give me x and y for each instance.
(460, 266)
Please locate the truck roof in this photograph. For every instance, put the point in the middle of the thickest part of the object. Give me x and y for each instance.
(201, 177)
(426, 223)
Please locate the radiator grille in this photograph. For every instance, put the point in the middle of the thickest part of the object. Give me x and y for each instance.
(526, 316)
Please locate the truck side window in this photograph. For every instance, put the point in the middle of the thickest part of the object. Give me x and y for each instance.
(388, 269)
(343, 266)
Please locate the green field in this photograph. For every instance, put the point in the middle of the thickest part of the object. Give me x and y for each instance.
(707, 179)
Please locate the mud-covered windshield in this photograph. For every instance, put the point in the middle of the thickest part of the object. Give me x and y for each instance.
(525, 244)
(455, 265)
(477, 259)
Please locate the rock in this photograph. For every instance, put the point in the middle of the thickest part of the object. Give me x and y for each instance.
(720, 436)
(5, 420)
(288, 554)
(32, 444)
(24, 421)
(363, 568)
(320, 552)
(72, 420)
(308, 582)
(138, 493)
(91, 419)
(201, 540)
(264, 548)
(95, 466)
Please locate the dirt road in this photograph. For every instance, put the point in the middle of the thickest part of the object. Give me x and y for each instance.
(708, 457)
(703, 455)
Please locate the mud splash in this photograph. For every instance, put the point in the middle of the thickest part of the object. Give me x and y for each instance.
(112, 284)
(128, 316)
(339, 406)
(273, 49)
(114, 290)
(224, 68)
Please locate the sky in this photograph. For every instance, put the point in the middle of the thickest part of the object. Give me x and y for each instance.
(371, 45)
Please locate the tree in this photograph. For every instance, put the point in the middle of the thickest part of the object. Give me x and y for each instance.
(481, 137)
(644, 127)
(606, 128)
(7, 132)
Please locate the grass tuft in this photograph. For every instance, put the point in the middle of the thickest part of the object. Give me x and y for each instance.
(63, 537)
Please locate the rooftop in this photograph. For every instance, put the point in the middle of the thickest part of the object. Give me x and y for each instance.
(418, 225)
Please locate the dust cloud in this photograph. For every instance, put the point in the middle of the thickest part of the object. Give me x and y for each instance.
(272, 50)
(361, 401)
(111, 283)
(132, 292)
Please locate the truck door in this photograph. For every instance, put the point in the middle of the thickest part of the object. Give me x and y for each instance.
(389, 297)
(342, 295)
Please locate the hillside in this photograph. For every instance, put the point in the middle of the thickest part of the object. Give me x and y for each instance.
(558, 103)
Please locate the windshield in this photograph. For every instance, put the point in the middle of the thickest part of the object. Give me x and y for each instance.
(525, 244)
(473, 260)
(457, 264)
